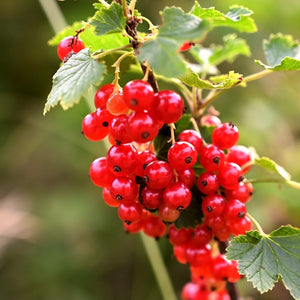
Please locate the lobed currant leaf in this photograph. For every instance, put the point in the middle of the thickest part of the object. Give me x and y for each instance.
(94, 42)
(238, 17)
(266, 259)
(282, 53)
(74, 79)
(108, 19)
(162, 51)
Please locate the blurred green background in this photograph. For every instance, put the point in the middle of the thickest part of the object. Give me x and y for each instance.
(58, 240)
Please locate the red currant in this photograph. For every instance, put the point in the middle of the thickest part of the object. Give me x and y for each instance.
(69, 44)
(151, 199)
(129, 211)
(202, 235)
(213, 205)
(168, 214)
(235, 209)
(123, 188)
(225, 135)
(118, 129)
(153, 226)
(230, 175)
(240, 155)
(108, 199)
(103, 94)
(242, 192)
(211, 157)
(208, 183)
(179, 236)
(193, 137)
(100, 173)
(187, 176)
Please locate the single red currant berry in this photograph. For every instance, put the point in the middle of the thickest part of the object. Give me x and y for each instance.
(202, 272)
(116, 104)
(186, 46)
(168, 214)
(124, 188)
(235, 209)
(144, 159)
(168, 106)
(240, 155)
(225, 135)
(138, 95)
(182, 155)
(242, 192)
(233, 274)
(122, 159)
(179, 236)
(100, 173)
(179, 253)
(151, 199)
(213, 205)
(158, 175)
(69, 44)
(154, 227)
(230, 175)
(142, 127)
(133, 227)
(92, 129)
(118, 129)
(211, 158)
(220, 267)
(240, 225)
(210, 121)
(195, 291)
(215, 222)
(196, 255)
(108, 199)
(187, 176)
(223, 234)
(208, 183)
(104, 119)
(202, 235)
(103, 94)
(177, 195)
(192, 137)
(129, 211)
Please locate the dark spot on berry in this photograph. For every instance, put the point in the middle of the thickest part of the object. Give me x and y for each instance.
(231, 124)
(144, 166)
(209, 208)
(133, 102)
(157, 238)
(145, 135)
(213, 288)
(241, 214)
(216, 160)
(118, 143)
(82, 132)
(117, 169)
(127, 222)
(105, 124)
(204, 182)
(119, 197)
(188, 159)
(180, 208)
(241, 178)
(250, 193)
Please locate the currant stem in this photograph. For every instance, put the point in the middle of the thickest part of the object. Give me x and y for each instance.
(151, 26)
(125, 9)
(146, 76)
(291, 183)
(97, 55)
(256, 224)
(158, 267)
(116, 65)
(132, 5)
(172, 130)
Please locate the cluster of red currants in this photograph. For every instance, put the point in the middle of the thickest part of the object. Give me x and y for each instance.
(150, 194)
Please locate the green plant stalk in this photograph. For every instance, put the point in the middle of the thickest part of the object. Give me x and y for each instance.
(150, 245)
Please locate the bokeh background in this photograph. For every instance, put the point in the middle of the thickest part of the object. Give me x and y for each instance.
(58, 240)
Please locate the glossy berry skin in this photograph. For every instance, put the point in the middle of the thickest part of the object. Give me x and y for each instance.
(208, 183)
(240, 155)
(151, 199)
(235, 209)
(168, 106)
(182, 155)
(194, 291)
(177, 196)
(92, 128)
(210, 121)
(197, 255)
(103, 94)
(138, 95)
(240, 225)
(144, 159)
(124, 188)
(118, 129)
(122, 159)
(215, 222)
(230, 175)
(242, 192)
(100, 173)
(168, 214)
(129, 211)
(153, 226)
(180, 236)
(187, 176)
(202, 235)
(225, 135)
(108, 199)
(220, 267)
(67, 45)
(116, 104)
(142, 127)
(211, 157)
(192, 137)
(158, 175)
(213, 205)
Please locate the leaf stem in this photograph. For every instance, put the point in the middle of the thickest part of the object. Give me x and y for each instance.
(158, 267)
(132, 5)
(98, 55)
(125, 9)
(261, 232)
(256, 76)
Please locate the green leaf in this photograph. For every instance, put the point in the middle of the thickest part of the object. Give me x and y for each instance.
(162, 50)
(232, 47)
(238, 17)
(108, 20)
(282, 53)
(227, 81)
(74, 79)
(89, 38)
(272, 166)
(264, 259)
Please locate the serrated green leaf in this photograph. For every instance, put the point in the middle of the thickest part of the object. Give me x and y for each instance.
(92, 41)
(265, 259)
(192, 79)
(232, 47)
(282, 53)
(272, 166)
(162, 50)
(73, 80)
(108, 20)
(238, 17)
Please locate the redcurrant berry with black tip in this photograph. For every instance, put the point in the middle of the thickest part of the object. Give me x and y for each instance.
(144, 159)
(213, 205)
(108, 199)
(130, 211)
(187, 176)
(69, 44)
(151, 199)
(240, 225)
(242, 192)
(138, 95)
(211, 157)
(100, 173)
(168, 214)
(118, 129)
(225, 135)
(230, 175)
(193, 137)
(235, 209)
(124, 188)
(92, 129)
(153, 226)
(208, 183)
